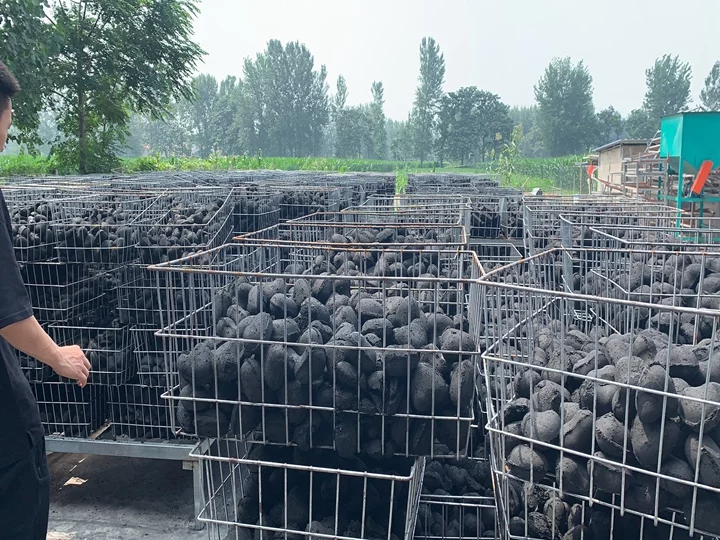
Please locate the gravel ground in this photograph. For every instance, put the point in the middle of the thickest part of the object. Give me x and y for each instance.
(103, 498)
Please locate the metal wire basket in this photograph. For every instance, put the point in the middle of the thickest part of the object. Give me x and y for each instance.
(191, 221)
(255, 209)
(139, 412)
(153, 369)
(393, 386)
(109, 350)
(68, 410)
(62, 292)
(609, 396)
(390, 235)
(445, 213)
(315, 494)
(303, 200)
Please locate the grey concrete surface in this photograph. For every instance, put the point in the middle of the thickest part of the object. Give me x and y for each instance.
(113, 498)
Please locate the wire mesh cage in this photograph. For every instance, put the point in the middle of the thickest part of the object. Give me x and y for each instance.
(68, 410)
(109, 350)
(101, 229)
(458, 500)
(492, 255)
(445, 213)
(324, 231)
(374, 361)
(442, 182)
(617, 407)
(511, 215)
(138, 298)
(285, 492)
(542, 222)
(645, 237)
(300, 201)
(192, 220)
(255, 208)
(32, 213)
(139, 412)
(62, 292)
(152, 367)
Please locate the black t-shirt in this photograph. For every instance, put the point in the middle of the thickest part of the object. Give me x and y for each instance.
(19, 416)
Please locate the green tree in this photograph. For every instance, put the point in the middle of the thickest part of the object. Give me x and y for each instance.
(115, 56)
(27, 41)
(566, 115)
(525, 116)
(229, 112)
(341, 94)
(354, 133)
(668, 87)
(459, 125)
(377, 121)
(710, 94)
(639, 125)
(287, 101)
(399, 140)
(497, 126)
(611, 126)
(204, 101)
(427, 97)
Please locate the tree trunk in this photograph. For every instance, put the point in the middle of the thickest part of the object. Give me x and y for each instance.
(82, 133)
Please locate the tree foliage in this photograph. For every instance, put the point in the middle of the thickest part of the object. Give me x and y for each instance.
(427, 97)
(710, 94)
(471, 121)
(668, 87)
(26, 44)
(378, 120)
(287, 100)
(566, 115)
(610, 126)
(114, 56)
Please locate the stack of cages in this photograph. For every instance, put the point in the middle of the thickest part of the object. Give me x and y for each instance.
(605, 425)
(179, 223)
(68, 248)
(338, 366)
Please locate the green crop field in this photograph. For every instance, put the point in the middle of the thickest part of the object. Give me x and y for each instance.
(550, 174)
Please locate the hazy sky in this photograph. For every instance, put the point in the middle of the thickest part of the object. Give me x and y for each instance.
(501, 46)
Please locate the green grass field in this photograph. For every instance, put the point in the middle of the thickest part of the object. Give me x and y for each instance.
(549, 174)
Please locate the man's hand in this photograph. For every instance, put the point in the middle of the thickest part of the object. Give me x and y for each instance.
(73, 364)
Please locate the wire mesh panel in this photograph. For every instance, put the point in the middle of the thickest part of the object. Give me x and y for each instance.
(617, 408)
(152, 367)
(191, 221)
(285, 492)
(139, 412)
(62, 292)
(446, 213)
(644, 237)
(444, 182)
(494, 255)
(109, 351)
(32, 213)
(68, 410)
(356, 349)
(416, 235)
(458, 500)
(542, 223)
(303, 200)
(255, 208)
(100, 228)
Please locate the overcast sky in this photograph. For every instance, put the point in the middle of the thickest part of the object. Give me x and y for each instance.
(501, 46)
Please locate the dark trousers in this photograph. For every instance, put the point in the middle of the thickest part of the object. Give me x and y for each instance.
(25, 497)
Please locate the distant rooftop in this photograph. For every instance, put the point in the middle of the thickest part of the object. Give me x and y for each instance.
(621, 142)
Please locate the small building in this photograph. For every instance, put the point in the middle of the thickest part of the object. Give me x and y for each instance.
(610, 161)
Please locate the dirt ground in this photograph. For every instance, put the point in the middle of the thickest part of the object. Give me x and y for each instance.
(112, 498)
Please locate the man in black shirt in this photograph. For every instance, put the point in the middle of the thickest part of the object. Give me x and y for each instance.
(24, 474)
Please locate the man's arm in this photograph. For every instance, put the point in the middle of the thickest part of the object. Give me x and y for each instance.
(29, 337)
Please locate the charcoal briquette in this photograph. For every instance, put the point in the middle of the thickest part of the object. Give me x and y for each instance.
(549, 395)
(607, 477)
(610, 435)
(646, 442)
(251, 380)
(282, 306)
(649, 406)
(427, 385)
(524, 461)
(577, 434)
(260, 328)
(227, 361)
(709, 458)
(692, 412)
(525, 382)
